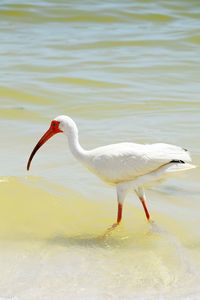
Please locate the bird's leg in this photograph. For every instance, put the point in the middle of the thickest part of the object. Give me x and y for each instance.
(121, 193)
(119, 215)
(119, 218)
(142, 199)
(141, 195)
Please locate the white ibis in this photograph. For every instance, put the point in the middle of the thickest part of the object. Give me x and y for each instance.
(128, 166)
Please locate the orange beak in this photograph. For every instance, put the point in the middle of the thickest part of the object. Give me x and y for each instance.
(53, 129)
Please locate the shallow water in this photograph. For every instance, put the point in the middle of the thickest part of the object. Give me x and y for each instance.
(124, 72)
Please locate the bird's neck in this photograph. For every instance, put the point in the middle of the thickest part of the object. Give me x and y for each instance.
(74, 145)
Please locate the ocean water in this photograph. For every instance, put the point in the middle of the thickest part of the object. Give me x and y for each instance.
(124, 71)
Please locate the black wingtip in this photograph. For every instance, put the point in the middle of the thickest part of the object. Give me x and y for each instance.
(177, 161)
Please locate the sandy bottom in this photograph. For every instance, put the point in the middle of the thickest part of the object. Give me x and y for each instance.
(52, 248)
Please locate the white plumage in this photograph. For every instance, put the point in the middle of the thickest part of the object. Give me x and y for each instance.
(126, 161)
(128, 166)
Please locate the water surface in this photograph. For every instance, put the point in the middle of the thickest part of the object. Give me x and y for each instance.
(124, 72)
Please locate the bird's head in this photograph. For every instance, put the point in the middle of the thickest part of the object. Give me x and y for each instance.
(56, 126)
(60, 124)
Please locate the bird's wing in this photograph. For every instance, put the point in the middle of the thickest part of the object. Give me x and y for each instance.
(126, 161)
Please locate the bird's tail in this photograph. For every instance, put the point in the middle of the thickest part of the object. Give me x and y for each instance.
(162, 173)
(177, 167)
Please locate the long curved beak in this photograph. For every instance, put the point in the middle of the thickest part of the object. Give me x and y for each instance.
(53, 129)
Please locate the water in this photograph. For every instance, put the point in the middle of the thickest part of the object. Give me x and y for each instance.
(124, 71)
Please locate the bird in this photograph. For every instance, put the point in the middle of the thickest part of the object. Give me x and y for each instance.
(127, 166)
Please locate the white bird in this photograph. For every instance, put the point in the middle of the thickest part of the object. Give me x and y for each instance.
(128, 166)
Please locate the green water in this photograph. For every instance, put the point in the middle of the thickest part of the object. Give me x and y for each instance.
(124, 71)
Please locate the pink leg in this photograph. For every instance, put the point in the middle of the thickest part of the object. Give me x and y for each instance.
(119, 214)
(145, 208)
(119, 218)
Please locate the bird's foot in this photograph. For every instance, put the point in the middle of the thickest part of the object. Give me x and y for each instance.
(151, 226)
(155, 228)
(110, 229)
(151, 222)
